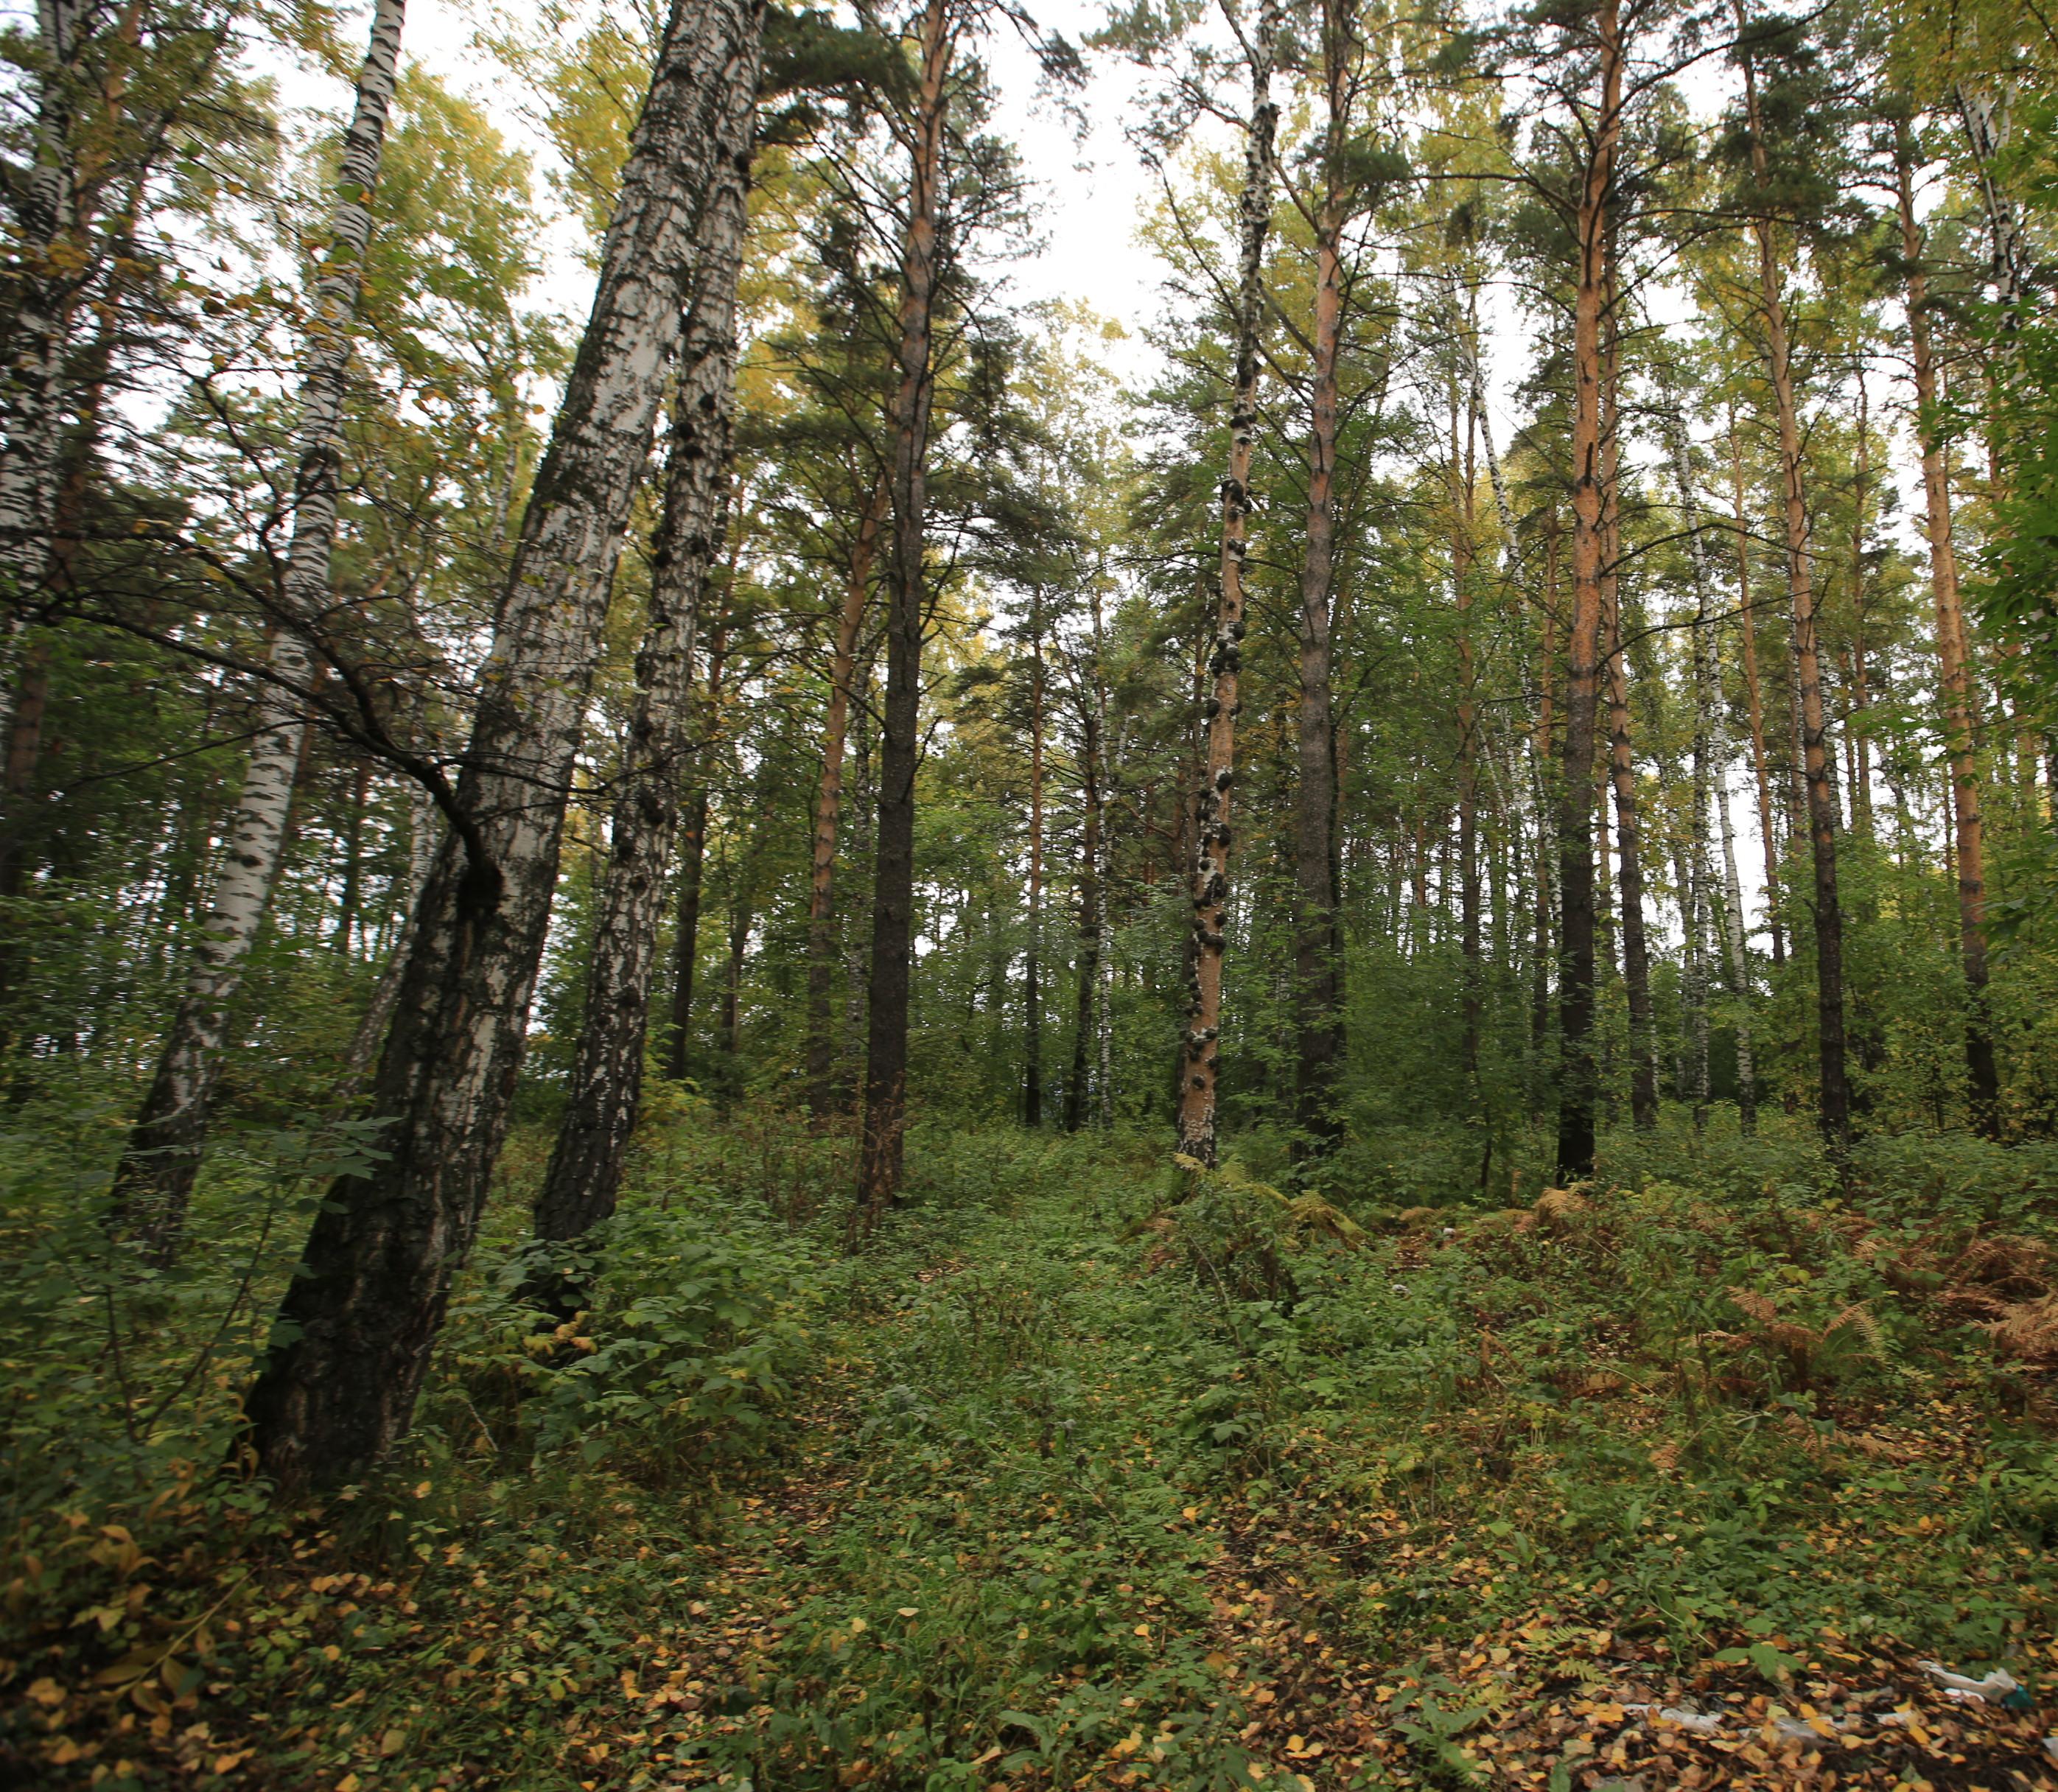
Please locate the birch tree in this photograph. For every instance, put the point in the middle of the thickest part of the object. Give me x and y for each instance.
(1201, 1064)
(580, 1184)
(154, 1182)
(339, 1384)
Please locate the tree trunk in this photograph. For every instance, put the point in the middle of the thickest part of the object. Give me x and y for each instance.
(1541, 749)
(1316, 947)
(45, 291)
(1858, 726)
(1579, 1084)
(693, 855)
(1734, 937)
(1954, 663)
(338, 1386)
(828, 811)
(1622, 763)
(1077, 1102)
(154, 1182)
(1835, 1092)
(1629, 873)
(605, 1090)
(921, 253)
(1201, 1069)
(1032, 968)
(1754, 698)
(1463, 473)
(1711, 779)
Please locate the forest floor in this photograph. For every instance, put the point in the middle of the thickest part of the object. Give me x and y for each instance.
(1055, 1484)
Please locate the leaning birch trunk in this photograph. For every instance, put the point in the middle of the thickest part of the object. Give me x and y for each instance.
(883, 1145)
(1835, 1115)
(828, 812)
(1201, 1062)
(584, 1176)
(45, 294)
(1954, 663)
(1711, 782)
(338, 1384)
(154, 1182)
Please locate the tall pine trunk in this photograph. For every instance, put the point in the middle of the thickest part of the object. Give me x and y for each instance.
(604, 1092)
(1201, 1065)
(360, 1316)
(1578, 1074)
(154, 1181)
(1952, 660)
(828, 811)
(1317, 948)
(1834, 1096)
(884, 1138)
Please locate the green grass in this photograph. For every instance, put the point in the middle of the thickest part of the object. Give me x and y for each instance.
(1061, 1481)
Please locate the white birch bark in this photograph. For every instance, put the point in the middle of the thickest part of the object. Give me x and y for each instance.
(45, 288)
(1201, 1049)
(357, 1322)
(155, 1179)
(585, 1171)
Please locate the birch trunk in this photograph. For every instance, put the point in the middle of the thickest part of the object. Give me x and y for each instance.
(604, 1093)
(1316, 947)
(1200, 1069)
(883, 1145)
(1732, 938)
(828, 810)
(154, 1181)
(1834, 1087)
(1954, 661)
(44, 292)
(338, 1384)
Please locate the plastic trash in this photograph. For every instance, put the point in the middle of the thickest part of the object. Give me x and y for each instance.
(2000, 1688)
(1702, 1723)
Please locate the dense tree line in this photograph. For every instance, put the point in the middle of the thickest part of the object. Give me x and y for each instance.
(1484, 694)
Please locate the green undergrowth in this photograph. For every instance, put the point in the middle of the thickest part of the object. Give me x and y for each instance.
(1079, 1471)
